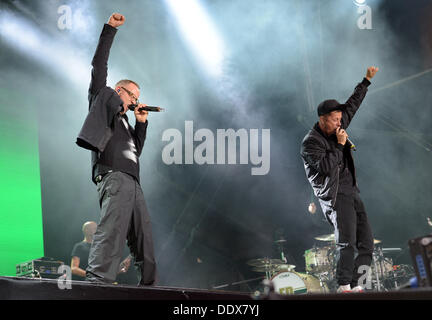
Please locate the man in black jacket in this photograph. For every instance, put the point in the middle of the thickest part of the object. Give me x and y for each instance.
(116, 147)
(329, 166)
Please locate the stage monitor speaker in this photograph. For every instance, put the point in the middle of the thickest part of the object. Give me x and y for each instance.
(39, 268)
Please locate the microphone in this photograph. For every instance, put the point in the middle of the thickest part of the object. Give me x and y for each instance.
(352, 145)
(146, 108)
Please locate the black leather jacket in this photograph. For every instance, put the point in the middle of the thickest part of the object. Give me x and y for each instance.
(322, 156)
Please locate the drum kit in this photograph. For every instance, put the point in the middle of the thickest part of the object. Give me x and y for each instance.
(320, 269)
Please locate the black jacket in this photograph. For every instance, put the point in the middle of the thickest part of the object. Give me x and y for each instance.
(104, 102)
(322, 155)
(104, 105)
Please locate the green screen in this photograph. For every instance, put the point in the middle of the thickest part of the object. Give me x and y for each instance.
(21, 229)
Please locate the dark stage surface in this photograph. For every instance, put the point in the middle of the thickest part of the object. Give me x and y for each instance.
(14, 288)
(188, 303)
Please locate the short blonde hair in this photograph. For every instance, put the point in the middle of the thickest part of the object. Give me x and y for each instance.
(126, 81)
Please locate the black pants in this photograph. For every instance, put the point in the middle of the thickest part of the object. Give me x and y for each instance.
(352, 231)
(124, 216)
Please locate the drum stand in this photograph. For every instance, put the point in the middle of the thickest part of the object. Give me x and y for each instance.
(268, 274)
(281, 250)
(375, 260)
(379, 261)
(237, 283)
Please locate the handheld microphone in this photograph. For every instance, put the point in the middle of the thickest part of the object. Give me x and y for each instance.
(352, 144)
(146, 108)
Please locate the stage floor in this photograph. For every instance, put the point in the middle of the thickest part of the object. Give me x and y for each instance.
(16, 288)
(51, 289)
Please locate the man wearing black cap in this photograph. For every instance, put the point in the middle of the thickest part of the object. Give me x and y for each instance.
(329, 166)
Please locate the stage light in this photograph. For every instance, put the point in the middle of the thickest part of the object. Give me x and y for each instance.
(57, 57)
(359, 2)
(200, 33)
(18, 32)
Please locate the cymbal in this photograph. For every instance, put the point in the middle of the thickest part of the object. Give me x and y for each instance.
(263, 262)
(263, 269)
(285, 267)
(331, 237)
(274, 268)
(390, 250)
(326, 237)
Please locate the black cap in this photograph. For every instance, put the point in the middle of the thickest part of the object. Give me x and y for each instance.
(328, 106)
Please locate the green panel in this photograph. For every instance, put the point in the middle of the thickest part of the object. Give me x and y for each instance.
(21, 228)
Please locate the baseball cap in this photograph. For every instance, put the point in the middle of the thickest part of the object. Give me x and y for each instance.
(328, 106)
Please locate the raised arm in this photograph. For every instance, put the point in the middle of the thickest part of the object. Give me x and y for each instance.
(100, 60)
(354, 101)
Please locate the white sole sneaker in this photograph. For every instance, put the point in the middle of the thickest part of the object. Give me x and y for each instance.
(344, 289)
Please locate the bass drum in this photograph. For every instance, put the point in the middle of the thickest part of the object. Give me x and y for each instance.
(290, 282)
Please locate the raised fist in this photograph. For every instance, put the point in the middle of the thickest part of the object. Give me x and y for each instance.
(116, 20)
(371, 71)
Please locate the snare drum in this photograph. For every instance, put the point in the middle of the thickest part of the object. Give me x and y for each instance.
(297, 283)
